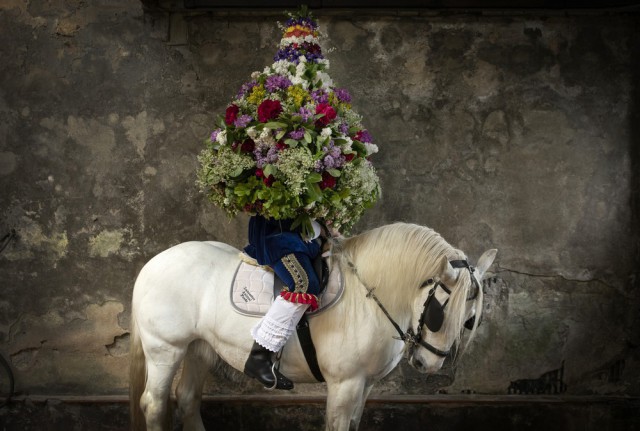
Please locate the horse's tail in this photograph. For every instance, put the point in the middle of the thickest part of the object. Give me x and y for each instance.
(137, 379)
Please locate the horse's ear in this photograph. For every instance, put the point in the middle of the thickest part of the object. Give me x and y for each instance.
(445, 271)
(485, 261)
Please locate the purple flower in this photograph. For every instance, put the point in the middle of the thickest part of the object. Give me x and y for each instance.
(265, 154)
(276, 82)
(343, 95)
(343, 128)
(363, 136)
(329, 162)
(305, 114)
(319, 96)
(246, 88)
(243, 120)
(333, 158)
(311, 51)
(303, 21)
(297, 134)
(214, 135)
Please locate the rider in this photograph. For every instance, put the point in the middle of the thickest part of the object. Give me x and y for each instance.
(275, 243)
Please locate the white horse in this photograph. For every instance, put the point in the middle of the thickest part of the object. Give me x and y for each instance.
(181, 313)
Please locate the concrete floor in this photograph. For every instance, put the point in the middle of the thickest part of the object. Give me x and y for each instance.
(433, 413)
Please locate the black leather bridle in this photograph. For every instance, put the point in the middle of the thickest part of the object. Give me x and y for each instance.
(432, 312)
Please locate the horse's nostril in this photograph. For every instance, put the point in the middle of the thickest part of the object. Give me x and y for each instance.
(417, 364)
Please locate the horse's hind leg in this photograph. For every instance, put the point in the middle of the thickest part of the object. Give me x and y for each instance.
(189, 390)
(155, 398)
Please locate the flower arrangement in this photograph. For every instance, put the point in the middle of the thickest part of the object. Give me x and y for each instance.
(289, 146)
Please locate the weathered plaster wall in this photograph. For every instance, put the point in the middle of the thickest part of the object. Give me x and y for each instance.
(517, 132)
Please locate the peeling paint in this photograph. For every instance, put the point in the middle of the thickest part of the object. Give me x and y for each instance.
(140, 128)
(32, 239)
(90, 334)
(120, 345)
(106, 243)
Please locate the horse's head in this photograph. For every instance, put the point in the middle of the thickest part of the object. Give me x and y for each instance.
(445, 306)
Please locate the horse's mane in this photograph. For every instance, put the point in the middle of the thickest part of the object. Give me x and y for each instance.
(397, 259)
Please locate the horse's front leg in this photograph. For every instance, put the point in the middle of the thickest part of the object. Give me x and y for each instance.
(345, 401)
(357, 413)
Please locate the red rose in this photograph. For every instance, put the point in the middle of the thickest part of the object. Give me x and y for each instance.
(259, 173)
(268, 110)
(327, 181)
(248, 146)
(349, 157)
(231, 114)
(281, 146)
(329, 114)
(268, 181)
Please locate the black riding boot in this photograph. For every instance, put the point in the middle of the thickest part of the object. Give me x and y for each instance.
(260, 367)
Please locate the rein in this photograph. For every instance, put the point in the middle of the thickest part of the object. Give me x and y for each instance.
(433, 319)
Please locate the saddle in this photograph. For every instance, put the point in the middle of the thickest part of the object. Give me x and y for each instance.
(255, 287)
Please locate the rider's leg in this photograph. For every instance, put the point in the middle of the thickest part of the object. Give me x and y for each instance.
(273, 331)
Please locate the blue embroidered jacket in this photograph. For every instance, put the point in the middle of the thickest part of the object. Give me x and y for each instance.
(270, 240)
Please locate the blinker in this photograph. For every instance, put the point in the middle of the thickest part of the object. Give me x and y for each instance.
(434, 314)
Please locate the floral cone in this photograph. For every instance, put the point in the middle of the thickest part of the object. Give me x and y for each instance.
(289, 146)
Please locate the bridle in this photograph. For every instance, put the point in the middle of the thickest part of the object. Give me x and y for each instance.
(433, 312)
(432, 315)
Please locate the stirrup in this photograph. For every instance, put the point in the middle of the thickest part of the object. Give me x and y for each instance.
(275, 378)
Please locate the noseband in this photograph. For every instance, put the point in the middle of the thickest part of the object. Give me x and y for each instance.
(432, 312)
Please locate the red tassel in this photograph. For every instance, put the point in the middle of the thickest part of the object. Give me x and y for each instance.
(301, 298)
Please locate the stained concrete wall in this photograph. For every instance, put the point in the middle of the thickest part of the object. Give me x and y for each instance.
(518, 132)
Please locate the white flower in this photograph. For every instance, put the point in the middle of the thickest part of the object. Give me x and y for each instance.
(297, 39)
(327, 82)
(324, 61)
(280, 67)
(252, 132)
(348, 144)
(326, 132)
(297, 80)
(255, 75)
(222, 138)
(371, 148)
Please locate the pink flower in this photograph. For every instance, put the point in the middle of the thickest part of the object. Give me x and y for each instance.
(268, 181)
(248, 146)
(268, 110)
(231, 114)
(328, 182)
(329, 114)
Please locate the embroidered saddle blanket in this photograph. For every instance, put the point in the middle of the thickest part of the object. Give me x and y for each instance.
(252, 289)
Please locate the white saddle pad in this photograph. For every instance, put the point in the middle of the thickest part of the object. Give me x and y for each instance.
(252, 290)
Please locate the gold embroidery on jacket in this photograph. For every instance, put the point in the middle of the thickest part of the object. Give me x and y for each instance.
(300, 279)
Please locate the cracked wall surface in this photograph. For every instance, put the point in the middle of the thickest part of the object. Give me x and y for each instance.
(513, 132)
